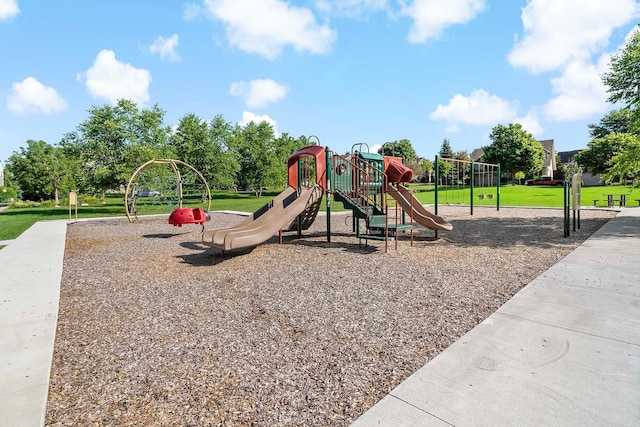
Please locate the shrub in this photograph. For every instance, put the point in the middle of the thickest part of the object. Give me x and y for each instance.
(25, 204)
(48, 204)
(90, 200)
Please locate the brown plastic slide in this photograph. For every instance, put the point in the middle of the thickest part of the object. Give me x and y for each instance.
(421, 215)
(261, 225)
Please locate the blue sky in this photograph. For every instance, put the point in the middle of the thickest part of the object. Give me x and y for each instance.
(347, 71)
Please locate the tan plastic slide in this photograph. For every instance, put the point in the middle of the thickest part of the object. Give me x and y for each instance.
(260, 226)
(421, 215)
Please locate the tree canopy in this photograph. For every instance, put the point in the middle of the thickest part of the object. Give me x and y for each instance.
(623, 78)
(40, 170)
(115, 140)
(204, 145)
(626, 160)
(597, 157)
(445, 150)
(619, 121)
(514, 149)
(613, 146)
(401, 148)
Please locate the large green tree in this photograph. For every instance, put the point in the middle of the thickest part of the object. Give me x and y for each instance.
(203, 145)
(259, 167)
(619, 121)
(623, 78)
(597, 157)
(514, 149)
(625, 162)
(115, 140)
(610, 136)
(401, 148)
(40, 171)
(422, 169)
(445, 149)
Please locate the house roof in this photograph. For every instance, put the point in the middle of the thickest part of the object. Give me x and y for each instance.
(567, 156)
(477, 154)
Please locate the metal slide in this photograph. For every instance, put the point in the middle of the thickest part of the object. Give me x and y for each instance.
(421, 215)
(265, 222)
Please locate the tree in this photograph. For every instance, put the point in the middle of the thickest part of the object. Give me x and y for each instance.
(259, 165)
(615, 121)
(204, 146)
(623, 79)
(444, 168)
(514, 149)
(427, 165)
(402, 148)
(445, 149)
(114, 141)
(626, 161)
(618, 128)
(462, 155)
(519, 176)
(40, 170)
(285, 146)
(596, 158)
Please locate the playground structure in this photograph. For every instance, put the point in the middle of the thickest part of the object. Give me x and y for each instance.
(172, 192)
(368, 184)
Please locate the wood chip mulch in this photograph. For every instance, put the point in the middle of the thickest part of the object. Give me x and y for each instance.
(157, 329)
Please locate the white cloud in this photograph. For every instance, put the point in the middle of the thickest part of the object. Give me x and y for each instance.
(351, 8)
(31, 96)
(431, 17)
(530, 123)
(579, 91)
(166, 48)
(248, 117)
(480, 108)
(265, 27)
(375, 148)
(558, 32)
(8, 9)
(259, 93)
(112, 80)
(192, 11)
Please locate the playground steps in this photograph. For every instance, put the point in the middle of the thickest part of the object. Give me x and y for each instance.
(377, 225)
(353, 205)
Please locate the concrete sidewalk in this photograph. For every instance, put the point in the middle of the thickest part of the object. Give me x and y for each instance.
(564, 351)
(29, 293)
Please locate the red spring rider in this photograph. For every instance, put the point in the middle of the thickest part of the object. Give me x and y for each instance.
(189, 216)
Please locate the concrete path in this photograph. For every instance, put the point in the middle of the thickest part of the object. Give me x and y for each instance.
(31, 270)
(564, 351)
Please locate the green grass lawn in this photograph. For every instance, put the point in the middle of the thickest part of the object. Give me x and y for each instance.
(15, 221)
(522, 195)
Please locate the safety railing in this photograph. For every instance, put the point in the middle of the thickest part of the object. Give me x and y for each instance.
(359, 182)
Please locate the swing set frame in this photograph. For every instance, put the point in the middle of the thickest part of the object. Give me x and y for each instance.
(475, 170)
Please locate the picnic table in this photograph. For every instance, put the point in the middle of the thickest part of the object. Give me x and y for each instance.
(620, 199)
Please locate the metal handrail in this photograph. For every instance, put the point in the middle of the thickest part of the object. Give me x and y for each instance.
(359, 181)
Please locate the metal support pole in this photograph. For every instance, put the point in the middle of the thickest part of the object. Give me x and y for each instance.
(300, 180)
(498, 189)
(327, 190)
(473, 172)
(566, 209)
(437, 177)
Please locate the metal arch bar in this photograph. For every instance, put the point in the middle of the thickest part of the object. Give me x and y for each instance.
(173, 163)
